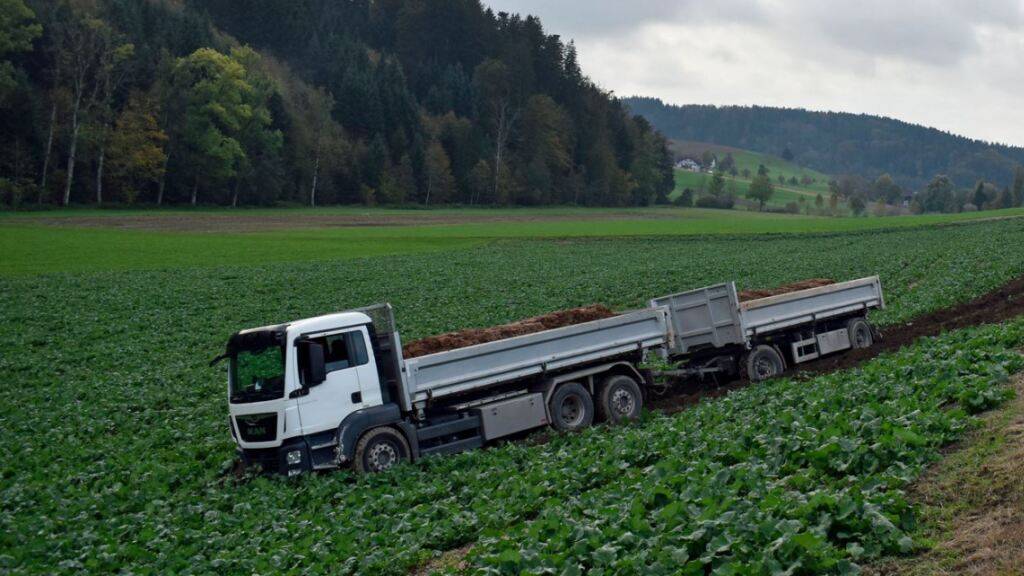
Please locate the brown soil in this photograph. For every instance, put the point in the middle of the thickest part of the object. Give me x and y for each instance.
(242, 222)
(784, 289)
(472, 336)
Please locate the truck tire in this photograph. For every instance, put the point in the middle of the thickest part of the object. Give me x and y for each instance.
(571, 408)
(620, 399)
(860, 333)
(764, 362)
(380, 449)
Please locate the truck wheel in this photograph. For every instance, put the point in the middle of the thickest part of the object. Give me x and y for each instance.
(380, 449)
(571, 408)
(860, 333)
(764, 362)
(620, 399)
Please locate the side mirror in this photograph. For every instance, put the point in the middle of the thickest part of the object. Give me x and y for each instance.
(311, 355)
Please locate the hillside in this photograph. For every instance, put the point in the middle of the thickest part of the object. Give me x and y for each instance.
(839, 143)
(747, 161)
(266, 102)
(792, 183)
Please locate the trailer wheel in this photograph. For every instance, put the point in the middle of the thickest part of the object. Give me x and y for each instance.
(571, 408)
(620, 399)
(380, 449)
(860, 333)
(764, 362)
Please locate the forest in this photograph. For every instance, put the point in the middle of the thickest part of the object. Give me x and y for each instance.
(308, 102)
(840, 143)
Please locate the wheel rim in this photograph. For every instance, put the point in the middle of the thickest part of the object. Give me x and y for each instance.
(382, 456)
(764, 367)
(862, 337)
(571, 410)
(623, 403)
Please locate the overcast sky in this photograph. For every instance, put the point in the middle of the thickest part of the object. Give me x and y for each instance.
(957, 65)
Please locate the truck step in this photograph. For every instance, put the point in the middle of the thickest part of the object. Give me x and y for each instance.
(449, 427)
(323, 459)
(454, 447)
(326, 444)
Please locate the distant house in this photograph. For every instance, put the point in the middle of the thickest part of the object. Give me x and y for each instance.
(908, 198)
(688, 164)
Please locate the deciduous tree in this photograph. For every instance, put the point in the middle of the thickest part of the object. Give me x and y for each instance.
(18, 29)
(137, 145)
(761, 190)
(440, 183)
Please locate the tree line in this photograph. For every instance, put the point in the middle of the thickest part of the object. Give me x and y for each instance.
(840, 143)
(265, 102)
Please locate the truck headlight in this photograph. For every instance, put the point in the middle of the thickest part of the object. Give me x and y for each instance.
(294, 457)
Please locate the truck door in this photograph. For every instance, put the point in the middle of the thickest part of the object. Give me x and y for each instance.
(346, 359)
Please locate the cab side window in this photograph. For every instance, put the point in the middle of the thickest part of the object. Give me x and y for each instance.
(343, 350)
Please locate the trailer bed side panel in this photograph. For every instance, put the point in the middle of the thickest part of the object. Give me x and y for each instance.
(807, 306)
(479, 366)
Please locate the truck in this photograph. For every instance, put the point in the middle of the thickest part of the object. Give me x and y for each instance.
(335, 391)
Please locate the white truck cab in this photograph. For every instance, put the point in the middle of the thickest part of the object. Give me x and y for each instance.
(299, 380)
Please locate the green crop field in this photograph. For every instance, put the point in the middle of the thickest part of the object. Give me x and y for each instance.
(30, 247)
(116, 455)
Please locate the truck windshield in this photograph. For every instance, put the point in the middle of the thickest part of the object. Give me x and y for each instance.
(257, 375)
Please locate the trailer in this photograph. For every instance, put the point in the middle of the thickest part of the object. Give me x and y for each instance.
(334, 390)
(710, 324)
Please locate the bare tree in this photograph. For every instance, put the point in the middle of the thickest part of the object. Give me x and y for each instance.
(494, 87)
(84, 49)
(112, 75)
(54, 99)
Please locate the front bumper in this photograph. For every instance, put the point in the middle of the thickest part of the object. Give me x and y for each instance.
(290, 458)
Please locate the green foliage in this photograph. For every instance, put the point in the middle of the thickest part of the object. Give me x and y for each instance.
(137, 147)
(116, 455)
(761, 189)
(352, 88)
(225, 114)
(717, 186)
(17, 31)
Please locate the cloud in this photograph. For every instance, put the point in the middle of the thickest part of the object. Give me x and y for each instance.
(957, 65)
(580, 18)
(937, 32)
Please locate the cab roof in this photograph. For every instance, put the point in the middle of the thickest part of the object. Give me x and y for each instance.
(329, 322)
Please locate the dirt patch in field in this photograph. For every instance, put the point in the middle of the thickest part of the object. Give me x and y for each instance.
(242, 222)
(975, 497)
(746, 295)
(452, 559)
(472, 336)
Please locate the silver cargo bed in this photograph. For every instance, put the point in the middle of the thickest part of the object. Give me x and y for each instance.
(475, 367)
(807, 306)
(714, 317)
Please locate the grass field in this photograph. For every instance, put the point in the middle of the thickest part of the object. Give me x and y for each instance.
(115, 451)
(749, 160)
(86, 241)
(698, 182)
